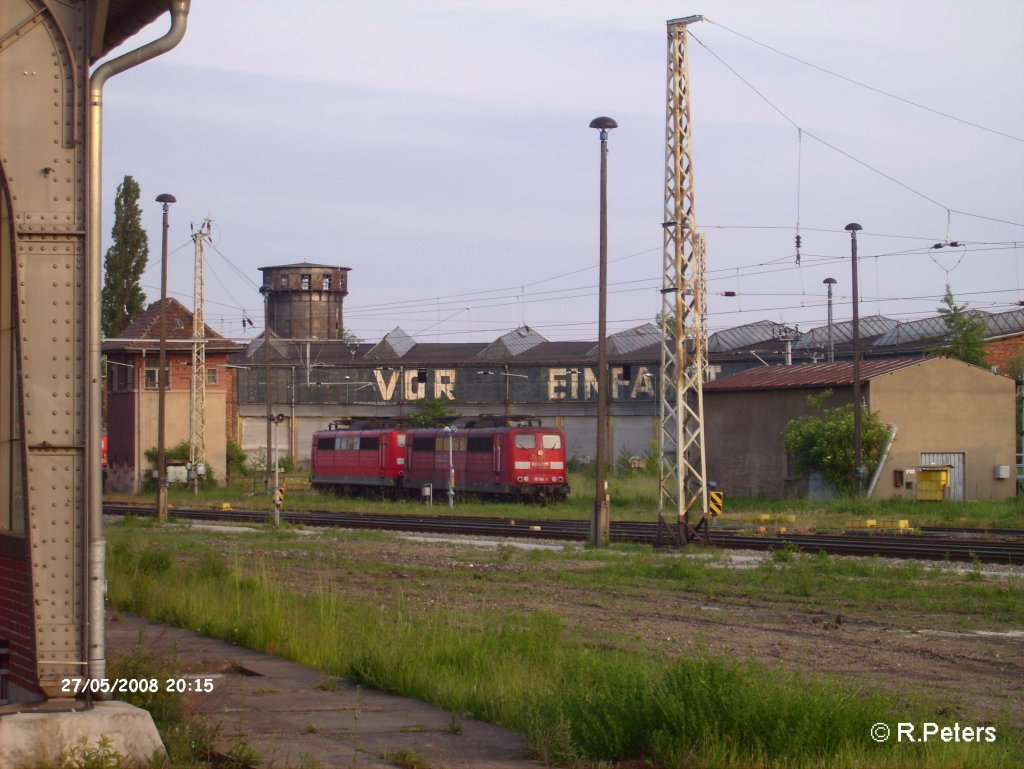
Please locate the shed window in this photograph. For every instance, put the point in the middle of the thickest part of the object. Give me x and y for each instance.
(151, 378)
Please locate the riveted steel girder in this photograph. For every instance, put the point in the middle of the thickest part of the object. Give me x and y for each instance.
(43, 366)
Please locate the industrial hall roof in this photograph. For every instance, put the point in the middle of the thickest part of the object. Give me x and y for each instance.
(881, 338)
(143, 333)
(524, 346)
(810, 375)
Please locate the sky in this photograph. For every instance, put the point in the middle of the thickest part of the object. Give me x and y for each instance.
(441, 150)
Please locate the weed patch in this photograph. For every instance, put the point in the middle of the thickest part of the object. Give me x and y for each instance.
(577, 703)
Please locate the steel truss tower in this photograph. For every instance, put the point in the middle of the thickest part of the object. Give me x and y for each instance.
(682, 475)
(197, 423)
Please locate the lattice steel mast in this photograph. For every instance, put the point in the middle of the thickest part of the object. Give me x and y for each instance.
(683, 482)
(197, 422)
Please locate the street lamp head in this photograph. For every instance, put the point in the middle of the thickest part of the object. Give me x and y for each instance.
(605, 124)
(166, 199)
(853, 227)
(829, 281)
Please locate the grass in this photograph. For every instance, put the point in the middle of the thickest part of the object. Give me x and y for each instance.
(820, 581)
(577, 701)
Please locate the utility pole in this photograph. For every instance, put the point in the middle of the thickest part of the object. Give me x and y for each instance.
(682, 462)
(197, 422)
(831, 341)
(858, 463)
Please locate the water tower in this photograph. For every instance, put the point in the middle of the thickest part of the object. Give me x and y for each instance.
(306, 300)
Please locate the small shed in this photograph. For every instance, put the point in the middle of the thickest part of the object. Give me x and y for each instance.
(940, 412)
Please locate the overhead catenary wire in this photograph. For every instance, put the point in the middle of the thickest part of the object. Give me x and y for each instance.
(860, 84)
(844, 153)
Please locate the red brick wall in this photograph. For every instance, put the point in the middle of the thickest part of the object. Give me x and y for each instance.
(16, 620)
(998, 352)
(231, 405)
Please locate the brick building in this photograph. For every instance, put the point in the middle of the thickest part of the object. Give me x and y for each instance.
(131, 394)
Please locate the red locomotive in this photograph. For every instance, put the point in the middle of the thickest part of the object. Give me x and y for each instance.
(358, 460)
(510, 458)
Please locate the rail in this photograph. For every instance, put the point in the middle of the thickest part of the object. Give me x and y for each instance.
(980, 547)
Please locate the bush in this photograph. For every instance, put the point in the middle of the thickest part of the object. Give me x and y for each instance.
(236, 459)
(823, 442)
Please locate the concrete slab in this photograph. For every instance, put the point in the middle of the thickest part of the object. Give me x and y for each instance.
(292, 715)
(64, 729)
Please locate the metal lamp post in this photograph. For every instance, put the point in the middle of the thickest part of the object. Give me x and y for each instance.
(165, 199)
(853, 228)
(451, 466)
(599, 525)
(277, 419)
(831, 342)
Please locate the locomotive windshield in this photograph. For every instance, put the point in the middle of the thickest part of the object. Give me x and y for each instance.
(529, 441)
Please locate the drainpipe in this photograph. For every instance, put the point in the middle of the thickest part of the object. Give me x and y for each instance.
(96, 562)
(893, 429)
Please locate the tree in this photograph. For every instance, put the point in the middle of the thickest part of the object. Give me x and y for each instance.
(431, 413)
(122, 298)
(965, 332)
(823, 442)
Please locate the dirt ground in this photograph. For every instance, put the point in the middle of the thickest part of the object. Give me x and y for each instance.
(977, 674)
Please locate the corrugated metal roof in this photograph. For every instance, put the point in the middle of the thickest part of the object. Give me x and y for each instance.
(557, 353)
(842, 333)
(745, 336)
(810, 374)
(631, 340)
(1006, 323)
(934, 329)
(513, 343)
(281, 349)
(890, 333)
(449, 352)
(912, 331)
(395, 344)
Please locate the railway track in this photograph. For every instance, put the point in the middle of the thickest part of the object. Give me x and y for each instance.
(925, 546)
